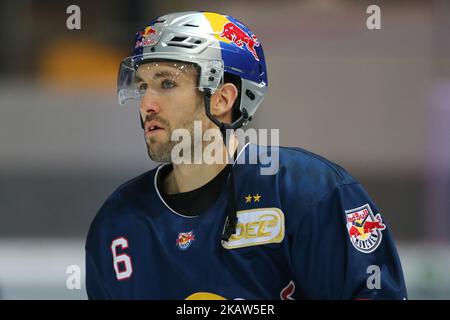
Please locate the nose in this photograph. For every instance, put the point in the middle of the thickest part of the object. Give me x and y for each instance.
(149, 104)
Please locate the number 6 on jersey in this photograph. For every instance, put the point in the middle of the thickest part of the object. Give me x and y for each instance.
(122, 262)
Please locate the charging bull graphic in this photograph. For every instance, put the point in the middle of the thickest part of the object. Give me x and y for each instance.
(364, 228)
(238, 36)
(185, 239)
(147, 32)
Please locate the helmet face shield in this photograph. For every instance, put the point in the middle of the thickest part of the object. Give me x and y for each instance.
(159, 78)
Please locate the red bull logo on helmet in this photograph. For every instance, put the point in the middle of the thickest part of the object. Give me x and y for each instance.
(240, 38)
(147, 31)
(146, 37)
(364, 228)
(185, 239)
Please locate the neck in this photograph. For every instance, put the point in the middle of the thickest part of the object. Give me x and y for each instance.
(188, 177)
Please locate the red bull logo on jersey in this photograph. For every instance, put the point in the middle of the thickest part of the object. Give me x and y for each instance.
(205, 296)
(364, 228)
(240, 38)
(185, 240)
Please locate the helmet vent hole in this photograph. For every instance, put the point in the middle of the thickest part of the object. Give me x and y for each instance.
(190, 25)
(178, 39)
(185, 42)
(182, 45)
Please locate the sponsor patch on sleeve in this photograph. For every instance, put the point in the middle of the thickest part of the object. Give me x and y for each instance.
(364, 228)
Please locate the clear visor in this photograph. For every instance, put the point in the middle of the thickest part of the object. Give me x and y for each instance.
(156, 77)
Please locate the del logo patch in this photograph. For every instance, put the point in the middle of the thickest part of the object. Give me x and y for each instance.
(185, 239)
(256, 227)
(364, 228)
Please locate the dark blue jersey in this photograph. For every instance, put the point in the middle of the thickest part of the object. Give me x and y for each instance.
(310, 231)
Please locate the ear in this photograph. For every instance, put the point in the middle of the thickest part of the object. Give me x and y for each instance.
(222, 102)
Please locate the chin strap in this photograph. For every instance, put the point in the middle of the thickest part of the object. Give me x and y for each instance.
(231, 221)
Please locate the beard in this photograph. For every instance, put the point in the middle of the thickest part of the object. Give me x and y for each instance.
(160, 151)
(159, 148)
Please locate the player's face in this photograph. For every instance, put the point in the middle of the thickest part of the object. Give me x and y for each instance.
(170, 100)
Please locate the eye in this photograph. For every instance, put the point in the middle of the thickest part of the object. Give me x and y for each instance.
(167, 84)
(142, 87)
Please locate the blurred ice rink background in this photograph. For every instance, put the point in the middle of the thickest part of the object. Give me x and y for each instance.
(376, 102)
